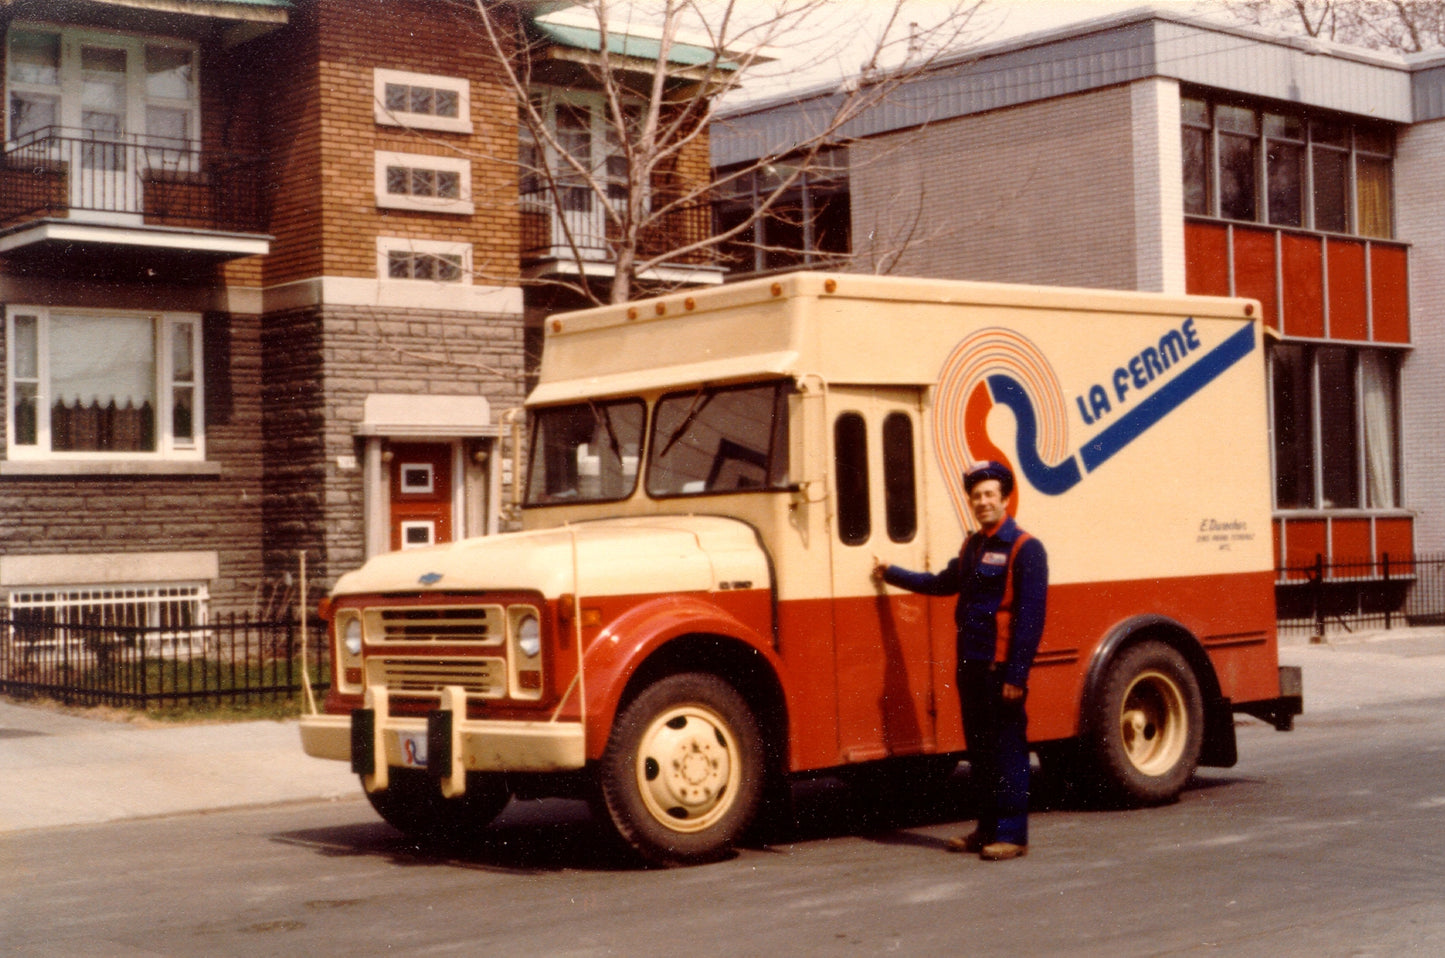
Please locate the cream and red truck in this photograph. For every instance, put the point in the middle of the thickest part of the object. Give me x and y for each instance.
(687, 621)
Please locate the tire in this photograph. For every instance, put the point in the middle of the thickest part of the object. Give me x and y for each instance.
(682, 776)
(413, 804)
(1146, 734)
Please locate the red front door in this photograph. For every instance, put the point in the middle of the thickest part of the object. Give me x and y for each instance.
(421, 494)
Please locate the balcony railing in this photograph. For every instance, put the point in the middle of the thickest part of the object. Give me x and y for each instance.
(128, 179)
(584, 231)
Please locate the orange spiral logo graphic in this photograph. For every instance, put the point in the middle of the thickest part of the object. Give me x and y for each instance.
(963, 402)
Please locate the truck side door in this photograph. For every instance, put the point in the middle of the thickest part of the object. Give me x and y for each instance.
(882, 643)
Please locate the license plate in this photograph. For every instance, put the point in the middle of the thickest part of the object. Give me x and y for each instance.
(413, 749)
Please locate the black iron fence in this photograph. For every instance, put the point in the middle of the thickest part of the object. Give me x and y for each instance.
(89, 659)
(158, 181)
(1342, 596)
(234, 660)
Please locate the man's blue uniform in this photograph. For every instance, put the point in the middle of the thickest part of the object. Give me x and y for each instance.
(996, 729)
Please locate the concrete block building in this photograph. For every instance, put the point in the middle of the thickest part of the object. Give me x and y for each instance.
(1154, 151)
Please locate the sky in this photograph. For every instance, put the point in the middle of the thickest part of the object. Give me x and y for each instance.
(834, 46)
(836, 37)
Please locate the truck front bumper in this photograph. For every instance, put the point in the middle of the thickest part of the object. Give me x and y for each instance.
(476, 745)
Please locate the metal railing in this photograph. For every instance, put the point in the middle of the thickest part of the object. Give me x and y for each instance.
(551, 232)
(233, 660)
(1383, 592)
(64, 172)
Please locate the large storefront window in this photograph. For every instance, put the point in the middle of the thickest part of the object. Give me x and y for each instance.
(1291, 170)
(1335, 429)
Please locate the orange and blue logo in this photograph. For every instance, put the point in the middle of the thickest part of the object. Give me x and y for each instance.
(1000, 367)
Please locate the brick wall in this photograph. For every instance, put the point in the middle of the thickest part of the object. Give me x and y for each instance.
(323, 137)
(322, 361)
(1419, 202)
(1042, 193)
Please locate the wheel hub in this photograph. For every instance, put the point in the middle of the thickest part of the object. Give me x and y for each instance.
(1152, 723)
(685, 768)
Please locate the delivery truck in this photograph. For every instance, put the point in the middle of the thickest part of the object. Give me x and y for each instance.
(686, 622)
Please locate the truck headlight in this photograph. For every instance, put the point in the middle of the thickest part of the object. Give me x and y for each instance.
(529, 635)
(351, 638)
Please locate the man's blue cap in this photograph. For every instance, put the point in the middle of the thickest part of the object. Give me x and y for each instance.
(977, 472)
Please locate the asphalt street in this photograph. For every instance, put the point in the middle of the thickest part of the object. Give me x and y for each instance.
(62, 768)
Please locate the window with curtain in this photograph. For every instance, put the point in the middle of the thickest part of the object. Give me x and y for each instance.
(86, 383)
(1335, 414)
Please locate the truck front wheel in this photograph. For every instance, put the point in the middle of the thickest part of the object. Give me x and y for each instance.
(682, 776)
(1148, 730)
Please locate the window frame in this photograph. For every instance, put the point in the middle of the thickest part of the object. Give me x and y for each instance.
(386, 245)
(384, 116)
(1320, 455)
(603, 148)
(137, 98)
(777, 466)
(169, 446)
(853, 497)
(1319, 136)
(820, 199)
(413, 163)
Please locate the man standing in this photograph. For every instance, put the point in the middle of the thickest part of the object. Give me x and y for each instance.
(1001, 578)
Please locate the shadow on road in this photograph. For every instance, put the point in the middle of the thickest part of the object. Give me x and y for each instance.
(549, 835)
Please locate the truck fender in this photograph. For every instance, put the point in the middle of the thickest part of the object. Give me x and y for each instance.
(630, 640)
(1219, 749)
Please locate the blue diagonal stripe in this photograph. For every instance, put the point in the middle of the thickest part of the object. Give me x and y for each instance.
(1169, 398)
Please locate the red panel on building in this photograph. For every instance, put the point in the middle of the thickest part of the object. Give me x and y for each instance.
(1303, 540)
(1304, 285)
(1206, 259)
(1390, 293)
(1350, 542)
(1347, 289)
(1395, 537)
(1254, 270)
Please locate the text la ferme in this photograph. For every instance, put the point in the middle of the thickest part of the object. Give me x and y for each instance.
(1138, 372)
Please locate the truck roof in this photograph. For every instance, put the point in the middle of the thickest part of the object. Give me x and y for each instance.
(823, 324)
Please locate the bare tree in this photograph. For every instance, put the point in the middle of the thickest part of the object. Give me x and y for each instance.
(659, 70)
(1409, 26)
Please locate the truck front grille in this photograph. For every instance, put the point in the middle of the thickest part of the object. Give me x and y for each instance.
(483, 625)
(409, 675)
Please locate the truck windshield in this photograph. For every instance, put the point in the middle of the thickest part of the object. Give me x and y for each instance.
(725, 439)
(587, 452)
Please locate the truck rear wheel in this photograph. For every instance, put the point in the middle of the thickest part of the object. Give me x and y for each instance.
(413, 804)
(1148, 730)
(682, 776)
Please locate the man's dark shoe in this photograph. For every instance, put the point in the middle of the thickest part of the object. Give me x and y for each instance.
(1002, 851)
(972, 843)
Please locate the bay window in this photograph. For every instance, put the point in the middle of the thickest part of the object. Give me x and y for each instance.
(103, 384)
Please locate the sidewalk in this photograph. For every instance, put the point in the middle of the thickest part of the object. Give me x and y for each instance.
(61, 769)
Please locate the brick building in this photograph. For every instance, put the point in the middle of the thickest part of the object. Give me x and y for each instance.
(265, 290)
(1155, 151)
